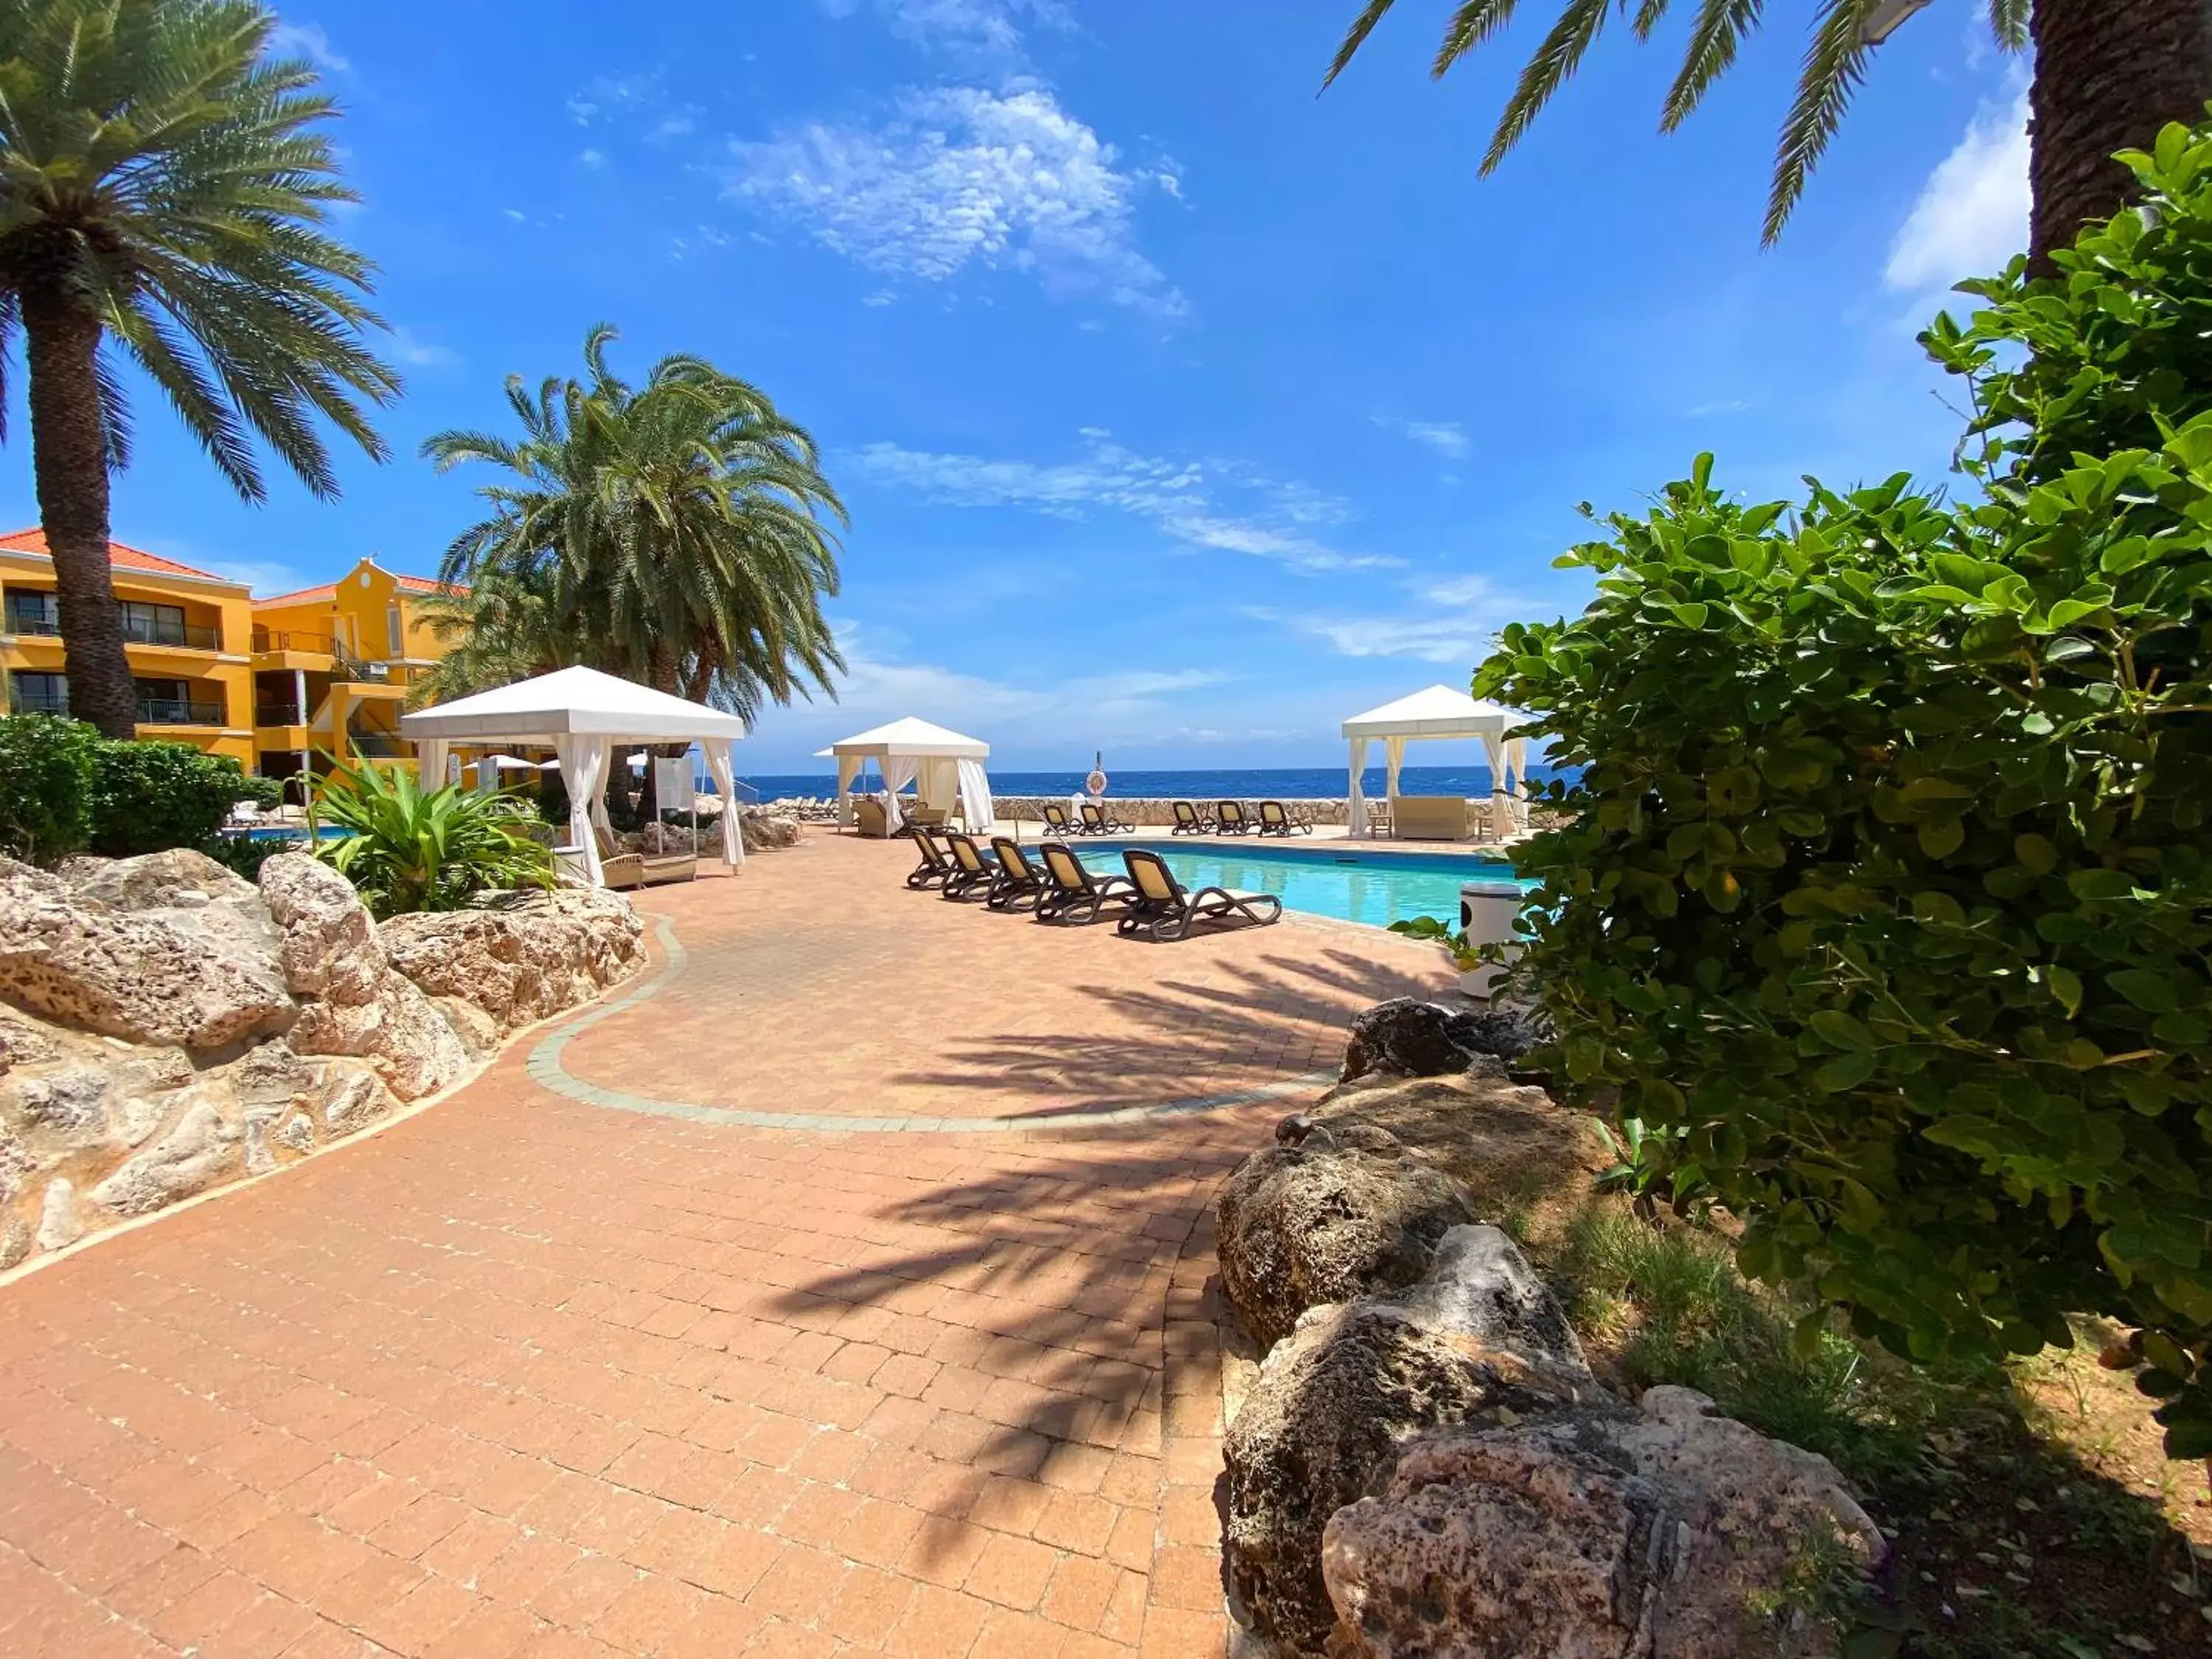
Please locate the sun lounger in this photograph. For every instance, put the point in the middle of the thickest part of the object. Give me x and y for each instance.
(1190, 821)
(1018, 880)
(1165, 908)
(1098, 821)
(1275, 819)
(936, 864)
(870, 819)
(972, 867)
(1230, 818)
(1071, 888)
(1055, 820)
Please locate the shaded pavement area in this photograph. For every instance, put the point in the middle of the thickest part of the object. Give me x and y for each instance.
(528, 1376)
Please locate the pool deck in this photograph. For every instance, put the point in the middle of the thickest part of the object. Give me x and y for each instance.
(584, 1361)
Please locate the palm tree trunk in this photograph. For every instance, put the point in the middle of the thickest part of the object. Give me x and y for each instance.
(2108, 74)
(69, 457)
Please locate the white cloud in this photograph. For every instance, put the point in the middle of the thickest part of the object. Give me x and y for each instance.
(591, 158)
(1445, 437)
(882, 296)
(306, 40)
(1450, 621)
(962, 175)
(422, 353)
(990, 28)
(678, 123)
(1182, 498)
(1971, 216)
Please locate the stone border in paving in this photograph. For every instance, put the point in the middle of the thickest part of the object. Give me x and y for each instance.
(546, 1069)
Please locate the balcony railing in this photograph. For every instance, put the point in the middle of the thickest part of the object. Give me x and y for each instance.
(292, 639)
(26, 621)
(191, 636)
(177, 711)
(377, 745)
(277, 714)
(21, 702)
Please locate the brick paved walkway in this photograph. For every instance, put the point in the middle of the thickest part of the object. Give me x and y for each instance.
(525, 1375)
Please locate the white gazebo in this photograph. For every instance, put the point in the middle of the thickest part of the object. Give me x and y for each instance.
(585, 715)
(942, 766)
(1440, 712)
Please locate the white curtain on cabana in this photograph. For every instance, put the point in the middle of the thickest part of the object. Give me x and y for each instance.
(584, 776)
(430, 763)
(848, 769)
(976, 811)
(1356, 815)
(723, 762)
(899, 770)
(1394, 758)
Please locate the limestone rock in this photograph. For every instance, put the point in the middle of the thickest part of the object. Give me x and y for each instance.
(1318, 1220)
(187, 889)
(1481, 1287)
(136, 975)
(59, 1224)
(22, 1042)
(406, 1037)
(522, 957)
(72, 1103)
(478, 1032)
(1323, 1427)
(1406, 1037)
(1594, 1533)
(352, 1098)
(761, 831)
(200, 1152)
(15, 1240)
(1508, 1146)
(296, 1133)
(16, 1165)
(272, 1075)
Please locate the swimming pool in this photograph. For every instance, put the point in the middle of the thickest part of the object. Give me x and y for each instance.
(289, 832)
(1324, 878)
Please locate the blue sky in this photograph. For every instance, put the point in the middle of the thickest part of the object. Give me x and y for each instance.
(1180, 412)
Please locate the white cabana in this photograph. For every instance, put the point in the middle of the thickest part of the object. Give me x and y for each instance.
(1440, 712)
(945, 767)
(586, 716)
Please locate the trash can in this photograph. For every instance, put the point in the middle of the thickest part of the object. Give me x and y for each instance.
(1486, 911)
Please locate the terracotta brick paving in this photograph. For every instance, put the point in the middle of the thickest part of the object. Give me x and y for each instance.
(527, 1377)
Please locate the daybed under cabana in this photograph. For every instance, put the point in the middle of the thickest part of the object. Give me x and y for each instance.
(584, 716)
(1439, 712)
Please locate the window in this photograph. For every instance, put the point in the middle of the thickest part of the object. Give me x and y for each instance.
(395, 632)
(33, 613)
(152, 624)
(38, 694)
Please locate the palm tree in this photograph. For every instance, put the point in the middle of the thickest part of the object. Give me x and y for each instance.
(161, 190)
(2108, 74)
(671, 532)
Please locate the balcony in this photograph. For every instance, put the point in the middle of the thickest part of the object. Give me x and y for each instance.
(291, 639)
(32, 622)
(377, 745)
(278, 714)
(21, 702)
(190, 636)
(179, 711)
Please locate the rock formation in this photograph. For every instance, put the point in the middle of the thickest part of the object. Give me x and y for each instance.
(523, 959)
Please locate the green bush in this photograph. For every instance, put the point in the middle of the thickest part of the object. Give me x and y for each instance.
(47, 764)
(1886, 895)
(150, 797)
(412, 850)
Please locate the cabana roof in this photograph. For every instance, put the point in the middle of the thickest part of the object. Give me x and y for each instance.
(910, 738)
(1438, 712)
(570, 702)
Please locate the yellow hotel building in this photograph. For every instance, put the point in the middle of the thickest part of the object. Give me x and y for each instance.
(273, 682)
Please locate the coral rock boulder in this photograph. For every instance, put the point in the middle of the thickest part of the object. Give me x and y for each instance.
(523, 958)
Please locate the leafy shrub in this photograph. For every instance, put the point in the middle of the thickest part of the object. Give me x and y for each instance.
(1887, 891)
(411, 850)
(150, 797)
(244, 855)
(47, 764)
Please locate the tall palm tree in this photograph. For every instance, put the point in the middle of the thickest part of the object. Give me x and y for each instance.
(2108, 74)
(162, 187)
(672, 532)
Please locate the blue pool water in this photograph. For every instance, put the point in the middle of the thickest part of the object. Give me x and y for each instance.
(1351, 885)
(284, 833)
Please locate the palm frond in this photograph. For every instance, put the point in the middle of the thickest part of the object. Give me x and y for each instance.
(1557, 57)
(1833, 65)
(1474, 22)
(1355, 38)
(2008, 23)
(1721, 26)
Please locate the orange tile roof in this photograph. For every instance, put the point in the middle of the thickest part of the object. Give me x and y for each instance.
(33, 540)
(330, 591)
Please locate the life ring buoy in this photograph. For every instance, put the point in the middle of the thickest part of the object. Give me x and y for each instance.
(1095, 783)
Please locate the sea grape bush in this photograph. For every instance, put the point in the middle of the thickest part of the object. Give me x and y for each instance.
(1886, 899)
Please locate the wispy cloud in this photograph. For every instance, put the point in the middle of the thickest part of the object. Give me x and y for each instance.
(1972, 215)
(591, 158)
(1445, 437)
(1448, 620)
(959, 176)
(1200, 504)
(307, 40)
(420, 353)
(987, 28)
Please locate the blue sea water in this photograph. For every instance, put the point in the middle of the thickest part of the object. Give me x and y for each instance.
(1253, 783)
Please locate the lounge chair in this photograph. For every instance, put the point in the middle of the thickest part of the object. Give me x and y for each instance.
(1165, 908)
(1275, 819)
(1070, 887)
(870, 819)
(972, 867)
(1018, 878)
(1230, 818)
(936, 864)
(1190, 821)
(1098, 821)
(618, 870)
(1055, 819)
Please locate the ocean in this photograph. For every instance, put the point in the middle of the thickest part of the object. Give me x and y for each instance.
(1252, 783)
